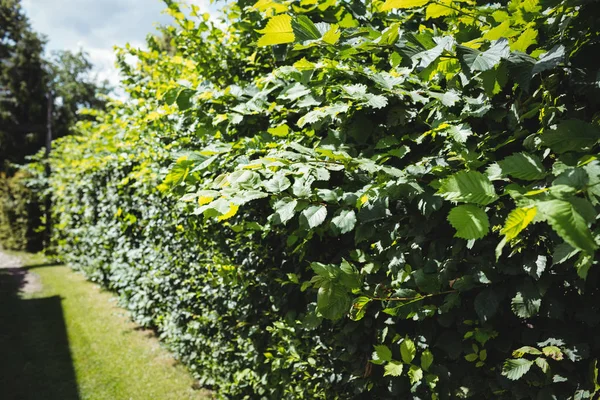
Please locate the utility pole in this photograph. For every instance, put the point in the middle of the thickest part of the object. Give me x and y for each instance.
(50, 105)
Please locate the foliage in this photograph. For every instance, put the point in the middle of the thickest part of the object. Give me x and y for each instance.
(26, 77)
(20, 213)
(334, 200)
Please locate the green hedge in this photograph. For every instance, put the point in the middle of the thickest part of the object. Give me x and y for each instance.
(359, 200)
(20, 213)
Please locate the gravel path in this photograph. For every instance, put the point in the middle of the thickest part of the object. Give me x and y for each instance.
(27, 282)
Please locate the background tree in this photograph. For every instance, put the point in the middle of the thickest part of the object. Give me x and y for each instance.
(25, 79)
(22, 86)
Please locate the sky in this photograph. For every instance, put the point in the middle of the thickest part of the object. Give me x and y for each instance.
(98, 25)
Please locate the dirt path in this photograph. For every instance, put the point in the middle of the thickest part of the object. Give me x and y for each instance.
(28, 282)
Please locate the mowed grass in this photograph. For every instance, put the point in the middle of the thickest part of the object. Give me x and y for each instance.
(70, 341)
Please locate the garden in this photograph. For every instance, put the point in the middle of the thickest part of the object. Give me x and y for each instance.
(345, 199)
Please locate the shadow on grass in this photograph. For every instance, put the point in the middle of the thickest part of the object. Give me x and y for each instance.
(35, 360)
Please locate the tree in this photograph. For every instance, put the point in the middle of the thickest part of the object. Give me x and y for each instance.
(22, 87)
(26, 77)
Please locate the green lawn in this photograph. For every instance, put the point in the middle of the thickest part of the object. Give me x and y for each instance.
(66, 339)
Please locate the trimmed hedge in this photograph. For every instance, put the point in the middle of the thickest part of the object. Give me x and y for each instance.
(360, 200)
(20, 214)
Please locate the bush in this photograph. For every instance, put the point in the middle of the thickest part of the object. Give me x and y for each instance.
(390, 200)
(20, 214)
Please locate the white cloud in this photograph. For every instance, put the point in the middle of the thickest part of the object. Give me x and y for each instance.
(97, 25)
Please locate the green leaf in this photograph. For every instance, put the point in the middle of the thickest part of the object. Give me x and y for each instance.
(501, 31)
(437, 10)
(571, 135)
(486, 304)
(426, 359)
(549, 60)
(568, 223)
(278, 31)
(393, 368)
(517, 220)
(514, 369)
(332, 35)
(344, 222)
(523, 166)
(476, 60)
(542, 363)
(408, 350)
(284, 210)
(470, 222)
(460, 133)
(359, 308)
(184, 99)
(313, 216)
(381, 354)
(521, 351)
(525, 39)
(468, 187)
(391, 4)
(583, 265)
(277, 184)
(304, 29)
(563, 252)
(415, 374)
(333, 301)
(281, 130)
(527, 301)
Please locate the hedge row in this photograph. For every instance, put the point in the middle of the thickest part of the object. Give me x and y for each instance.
(375, 199)
(20, 213)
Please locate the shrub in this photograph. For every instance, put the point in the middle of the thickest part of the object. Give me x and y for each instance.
(20, 214)
(375, 200)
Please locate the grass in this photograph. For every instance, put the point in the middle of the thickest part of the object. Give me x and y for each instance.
(68, 340)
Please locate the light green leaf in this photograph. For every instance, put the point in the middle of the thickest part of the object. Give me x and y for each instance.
(393, 368)
(284, 210)
(415, 374)
(391, 4)
(332, 35)
(313, 216)
(583, 265)
(514, 369)
(281, 130)
(344, 222)
(468, 187)
(525, 39)
(470, 222)
(517, 220)
(518, 353)
(501, 31)
(277, 184)
(460, 133)
(523, 166)
(542, 363)
(408, 350)
(278, 31)
(437, 10)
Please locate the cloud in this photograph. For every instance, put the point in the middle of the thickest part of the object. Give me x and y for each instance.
(98, 25)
